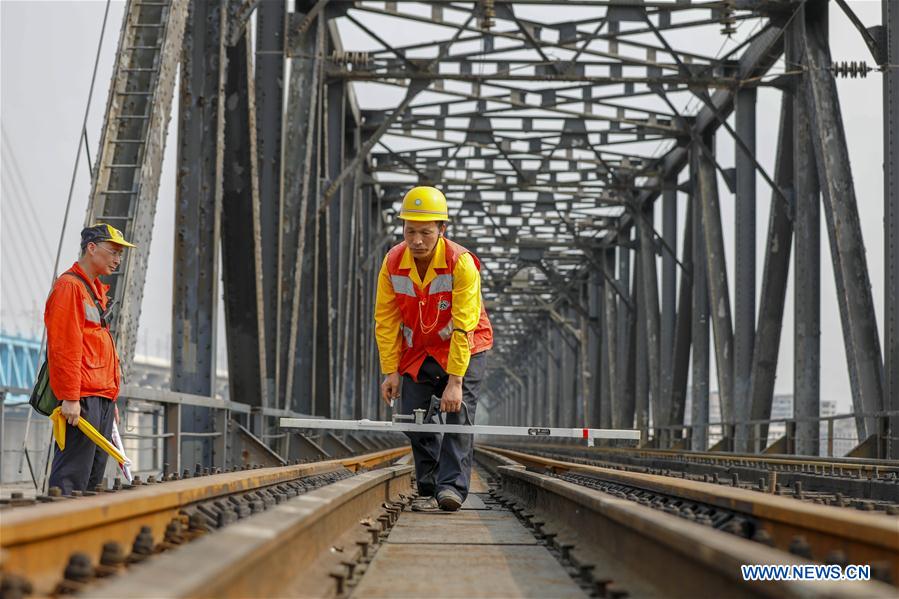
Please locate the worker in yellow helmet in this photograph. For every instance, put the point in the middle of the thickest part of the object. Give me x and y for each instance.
(433, 334)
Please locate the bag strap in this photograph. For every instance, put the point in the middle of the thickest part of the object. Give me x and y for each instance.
(90, 290)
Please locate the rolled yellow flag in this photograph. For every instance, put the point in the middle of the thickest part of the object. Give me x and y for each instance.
(59, 435)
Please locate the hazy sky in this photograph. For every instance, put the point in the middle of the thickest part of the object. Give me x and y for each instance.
(47, 52)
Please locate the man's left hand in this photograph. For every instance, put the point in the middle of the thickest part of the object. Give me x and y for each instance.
(452, 396)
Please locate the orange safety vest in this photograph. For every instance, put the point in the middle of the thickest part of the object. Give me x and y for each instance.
(427, 326)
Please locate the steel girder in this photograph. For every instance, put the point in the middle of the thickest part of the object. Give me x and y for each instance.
(860, 334)
(807, 272)
(778, 249)
(198, 199)
(890, 56)
(125, 178)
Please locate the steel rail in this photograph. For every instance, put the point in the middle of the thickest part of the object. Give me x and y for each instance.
(674, 556)
(862, 466)
(36, 541)
(863, 537)
(297, 548)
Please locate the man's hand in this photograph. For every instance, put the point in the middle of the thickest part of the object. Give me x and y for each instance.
(452, 395)
(390, 388)
(71, 411)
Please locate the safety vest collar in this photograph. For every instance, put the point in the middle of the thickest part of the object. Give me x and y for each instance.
(438, 262)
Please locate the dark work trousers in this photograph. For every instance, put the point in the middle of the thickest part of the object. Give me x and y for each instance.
(443, 461)
(80, 466)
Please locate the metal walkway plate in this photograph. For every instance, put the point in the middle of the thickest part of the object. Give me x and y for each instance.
(466, 527)
(475, 552)
(467, 571)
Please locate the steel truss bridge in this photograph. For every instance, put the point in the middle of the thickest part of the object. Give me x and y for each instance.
(576, 143)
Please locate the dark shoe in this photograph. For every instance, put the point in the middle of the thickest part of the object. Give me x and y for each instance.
(449, 500)
(425, 504)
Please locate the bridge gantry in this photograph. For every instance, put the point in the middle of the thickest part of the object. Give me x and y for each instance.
(578, 146)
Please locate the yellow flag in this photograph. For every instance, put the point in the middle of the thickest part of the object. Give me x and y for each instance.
(59, 434)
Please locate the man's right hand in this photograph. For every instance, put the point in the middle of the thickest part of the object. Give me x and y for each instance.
(390, 388)
(71, 410)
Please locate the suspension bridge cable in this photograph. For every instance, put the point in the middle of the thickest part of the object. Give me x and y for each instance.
(19, 180)
(17, 224)
(23, 266)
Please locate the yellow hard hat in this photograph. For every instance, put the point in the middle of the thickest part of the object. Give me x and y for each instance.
(424, 204)
(103, 232)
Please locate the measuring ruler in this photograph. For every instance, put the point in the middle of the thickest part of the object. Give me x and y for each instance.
(406, 426)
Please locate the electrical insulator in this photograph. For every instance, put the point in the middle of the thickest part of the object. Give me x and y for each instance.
(728, 21)
(488, 14)
(850, 69)
(359, 59)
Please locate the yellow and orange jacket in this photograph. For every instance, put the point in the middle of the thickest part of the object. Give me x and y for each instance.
(441, 316)
(81, 354)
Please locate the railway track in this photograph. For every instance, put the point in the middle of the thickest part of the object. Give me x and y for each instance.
(532, 527)
(817, 532)
(850, 467)
(867, 485)
(64, 545)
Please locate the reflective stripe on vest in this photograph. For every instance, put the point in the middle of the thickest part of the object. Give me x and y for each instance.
(407, 335)
(447, 331)
(91, 314)
(402, 285)
(441, 284)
